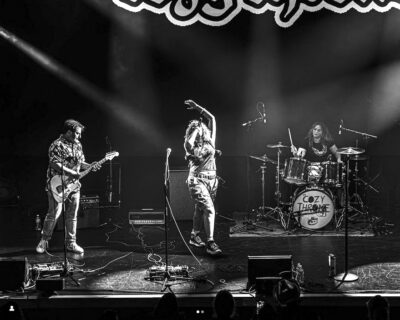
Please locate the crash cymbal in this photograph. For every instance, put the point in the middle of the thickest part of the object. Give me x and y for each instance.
(278, 145)
(263, 158)
(358, 158)
(350, 151)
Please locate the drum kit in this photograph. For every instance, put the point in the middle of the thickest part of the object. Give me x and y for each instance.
(315, 202)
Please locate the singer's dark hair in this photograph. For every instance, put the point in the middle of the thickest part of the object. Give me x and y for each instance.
(326, 135)
(72, 124)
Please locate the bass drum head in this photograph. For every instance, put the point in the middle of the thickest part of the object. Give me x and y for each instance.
(313, 208)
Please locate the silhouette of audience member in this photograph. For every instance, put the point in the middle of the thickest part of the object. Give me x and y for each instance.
(224, 305)
(378, 308)
(109, 315)
(167, 307)
(11, 311)
(267, 312)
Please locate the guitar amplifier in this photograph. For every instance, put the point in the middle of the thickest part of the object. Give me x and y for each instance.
(146, 217)
(88, 213)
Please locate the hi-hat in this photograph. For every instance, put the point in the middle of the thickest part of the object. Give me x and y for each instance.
(263, 158)
(278, 145)
(350, 151)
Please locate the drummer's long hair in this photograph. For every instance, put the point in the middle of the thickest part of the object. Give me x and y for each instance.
(326, 135)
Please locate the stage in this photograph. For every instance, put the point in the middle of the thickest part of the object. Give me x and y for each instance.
(113, 273)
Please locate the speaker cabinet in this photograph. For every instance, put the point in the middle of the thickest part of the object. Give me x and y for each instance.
(88, 213)
(14, 274)
(181, 203)
(279, 266)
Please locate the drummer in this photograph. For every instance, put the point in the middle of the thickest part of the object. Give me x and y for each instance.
(318, 145)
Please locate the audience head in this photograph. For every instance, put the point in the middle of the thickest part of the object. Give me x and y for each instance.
(167, 307)
(378, 308)
(224, 305)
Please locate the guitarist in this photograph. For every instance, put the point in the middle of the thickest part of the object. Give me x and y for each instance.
(65, 155)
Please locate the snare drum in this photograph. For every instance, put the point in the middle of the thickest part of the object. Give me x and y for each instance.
(313, 208)
(314, 172)
(295, 171)
(332, 174)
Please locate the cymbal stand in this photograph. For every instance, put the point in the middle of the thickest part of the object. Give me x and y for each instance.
(276, 213)
(248, 224)
(356, 203)
(355, 198)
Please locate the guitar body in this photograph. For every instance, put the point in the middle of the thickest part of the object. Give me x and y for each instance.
(57, 185)
(71, 185)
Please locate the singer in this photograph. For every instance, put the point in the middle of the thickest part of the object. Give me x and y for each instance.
(318, 145)
(202, 180)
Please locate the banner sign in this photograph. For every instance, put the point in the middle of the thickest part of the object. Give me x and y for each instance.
(221, 12)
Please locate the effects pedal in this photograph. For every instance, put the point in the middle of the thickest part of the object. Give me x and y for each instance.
(158, 271)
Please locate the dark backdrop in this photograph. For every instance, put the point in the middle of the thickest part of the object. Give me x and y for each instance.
(326, 67)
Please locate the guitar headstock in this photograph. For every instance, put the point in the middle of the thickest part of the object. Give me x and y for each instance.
(111, 155)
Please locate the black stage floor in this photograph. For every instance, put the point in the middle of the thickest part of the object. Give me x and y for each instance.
(114, 268)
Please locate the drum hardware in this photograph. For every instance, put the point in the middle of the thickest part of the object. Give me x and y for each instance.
(276, 213)
(346, 276)
(263, 158)
(354, 154)
(276, 146)
(249, 224)
(356, 202)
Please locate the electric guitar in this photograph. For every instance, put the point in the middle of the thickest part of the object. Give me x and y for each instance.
(62, 188)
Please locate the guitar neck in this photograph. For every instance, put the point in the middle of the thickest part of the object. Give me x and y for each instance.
(84, 173)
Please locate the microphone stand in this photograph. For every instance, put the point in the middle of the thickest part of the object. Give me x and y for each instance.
(364, 134)
(110, 176)
(249, 123)
(65, 273)
(346, 276)
(167, 275)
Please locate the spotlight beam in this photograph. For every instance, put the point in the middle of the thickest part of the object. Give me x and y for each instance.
(106, 101)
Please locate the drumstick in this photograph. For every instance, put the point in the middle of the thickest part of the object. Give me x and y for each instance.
(290, 136)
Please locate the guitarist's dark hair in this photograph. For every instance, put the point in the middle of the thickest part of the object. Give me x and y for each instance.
(72, 124)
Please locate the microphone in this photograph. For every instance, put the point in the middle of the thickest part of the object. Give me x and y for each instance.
(169, 150)
(263, 112)
(340, 127)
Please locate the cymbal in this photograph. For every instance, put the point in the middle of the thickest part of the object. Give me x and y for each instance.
(278, 145)
(350, 151)
(263, 158)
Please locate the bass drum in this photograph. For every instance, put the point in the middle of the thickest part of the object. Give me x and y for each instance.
(313, 208)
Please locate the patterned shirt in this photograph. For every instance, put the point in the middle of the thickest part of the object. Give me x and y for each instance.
(63, 149)
(318, 152)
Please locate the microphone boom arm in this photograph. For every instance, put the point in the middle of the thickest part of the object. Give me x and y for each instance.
(365, 135)
(250, 122)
